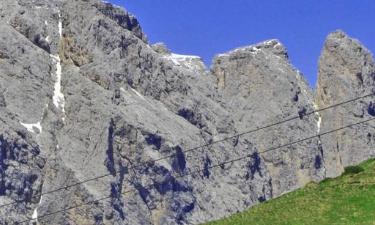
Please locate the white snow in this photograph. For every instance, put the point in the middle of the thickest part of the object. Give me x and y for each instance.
(319, 122)
(304, 91)
(177, 56)
(190, 62)
(252, 48)
(179, 59)
(222, 55)
(60, 25)
(33, 127)
(107, 2)
(58, 96)
(34, 217)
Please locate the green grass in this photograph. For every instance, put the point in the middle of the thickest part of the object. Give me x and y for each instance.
(346, 200)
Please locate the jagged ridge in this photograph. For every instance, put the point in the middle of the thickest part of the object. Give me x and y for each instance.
(127, 103)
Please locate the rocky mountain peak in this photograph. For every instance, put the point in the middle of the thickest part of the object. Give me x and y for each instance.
(272, 46)
(121, 17)
(344, 48)
(344, 59)
(252, 61)
(346, 70)
(83, 94)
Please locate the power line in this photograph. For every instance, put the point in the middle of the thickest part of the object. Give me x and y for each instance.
(206, 145)
(210, 167)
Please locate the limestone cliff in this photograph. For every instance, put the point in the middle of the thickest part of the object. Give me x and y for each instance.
(83, 95)
(346, 71)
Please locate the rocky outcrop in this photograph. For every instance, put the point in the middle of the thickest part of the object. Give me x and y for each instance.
(122, 18)
(250, 80)
(83, 95)
(346, 71)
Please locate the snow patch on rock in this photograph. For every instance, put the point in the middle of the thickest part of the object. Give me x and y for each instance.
(305, 93)
(58, 96)
(114, 5)
(34, 217)
(319, 122)
(60, 25)
(253, 49)
(190, 62)
(180, 59)
(33, 127)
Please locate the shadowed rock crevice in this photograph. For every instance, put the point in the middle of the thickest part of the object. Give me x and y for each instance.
(110, 160)
(191, 116)
(179, 161)
(121, 139)
(154, 140)
(318, 162)
(170, 184)
(254, 166)
(371, 109)
(206, 167)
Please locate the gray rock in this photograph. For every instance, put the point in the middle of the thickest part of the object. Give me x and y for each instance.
(346, 71)
(95, 99)
(260, 85)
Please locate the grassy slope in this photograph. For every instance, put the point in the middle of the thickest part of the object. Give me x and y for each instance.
(349, 200)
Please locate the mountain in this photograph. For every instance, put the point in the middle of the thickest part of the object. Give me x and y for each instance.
(347, 199)
(346, 71)
(90, 110)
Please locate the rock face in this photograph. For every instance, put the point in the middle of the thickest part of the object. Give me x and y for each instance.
(346, 71)
(83, 95)
(247, 78)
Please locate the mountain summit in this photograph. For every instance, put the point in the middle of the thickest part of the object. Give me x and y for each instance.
(97, 126)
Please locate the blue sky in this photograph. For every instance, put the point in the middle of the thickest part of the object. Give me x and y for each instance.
(209, 27)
